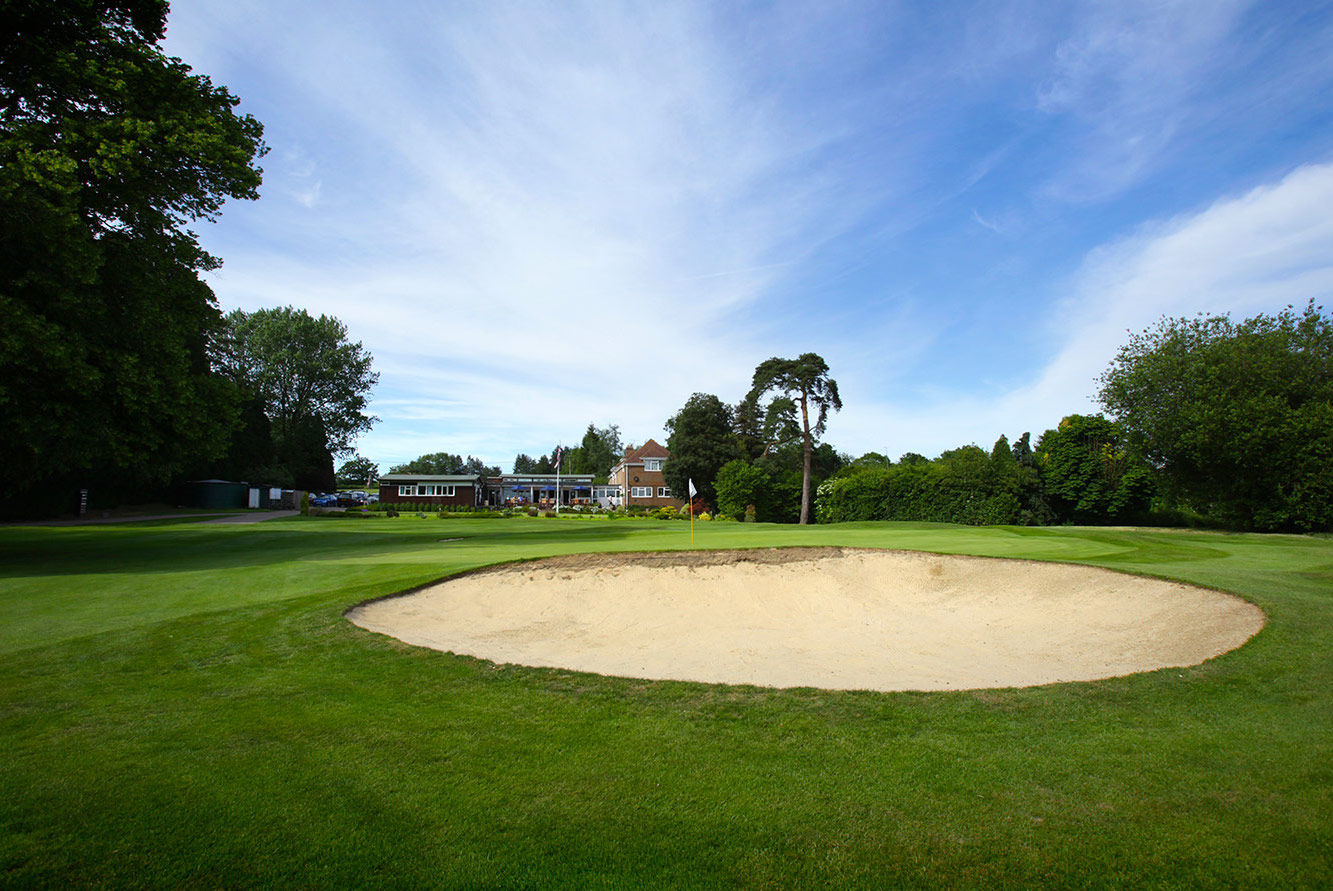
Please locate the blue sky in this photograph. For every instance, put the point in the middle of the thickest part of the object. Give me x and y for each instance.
(540, 215)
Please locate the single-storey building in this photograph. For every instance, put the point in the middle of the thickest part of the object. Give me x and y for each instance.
(433, 489)
(543, 490)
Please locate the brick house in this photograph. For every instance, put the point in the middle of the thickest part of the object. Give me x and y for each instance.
(433, 489)
(639, 476)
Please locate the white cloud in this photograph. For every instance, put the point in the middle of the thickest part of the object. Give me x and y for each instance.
(1247, 254)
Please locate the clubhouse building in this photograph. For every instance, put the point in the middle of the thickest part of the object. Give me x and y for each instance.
(635, 481)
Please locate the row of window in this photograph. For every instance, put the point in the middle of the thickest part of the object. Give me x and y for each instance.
(426, 489)
(647, 492)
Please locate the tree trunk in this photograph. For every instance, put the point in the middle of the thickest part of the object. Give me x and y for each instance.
(805, 476)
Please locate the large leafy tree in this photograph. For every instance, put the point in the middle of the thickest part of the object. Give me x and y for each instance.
(303, 369)
(446, 463)
(701, 441)
(802, 388)
(1237, 416)
(1088, 474)
(358, 471)
(108, 149)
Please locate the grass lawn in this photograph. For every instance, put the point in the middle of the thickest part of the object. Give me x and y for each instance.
(185, 705)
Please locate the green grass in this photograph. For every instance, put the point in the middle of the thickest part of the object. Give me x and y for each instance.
(186, 705)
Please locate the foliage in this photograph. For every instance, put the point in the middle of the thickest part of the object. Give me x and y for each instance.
(599, 450)
(303, 369)
(107, 149)
(358, 471)
(444, 463)
(871, 459)
(524, 464)
(1087, 474)
(800, 384)
(701, 441)
(964, 485)
(1237, 417)
(742, 486)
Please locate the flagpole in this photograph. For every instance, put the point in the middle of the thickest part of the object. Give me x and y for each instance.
(691, 492)
(559, 454)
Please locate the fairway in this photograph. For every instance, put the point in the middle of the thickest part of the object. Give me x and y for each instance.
(186, 704)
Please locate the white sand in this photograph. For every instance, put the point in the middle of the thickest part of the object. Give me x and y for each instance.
(830, 618)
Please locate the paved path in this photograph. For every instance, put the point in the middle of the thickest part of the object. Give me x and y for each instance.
(248, 517)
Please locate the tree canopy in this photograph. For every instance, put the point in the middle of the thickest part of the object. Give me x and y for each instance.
(1087, 473)
(701, 441)
(303, 369)
(1237, 417)
(358, 471)
(107, 150)
(446, 463)
(801, 384)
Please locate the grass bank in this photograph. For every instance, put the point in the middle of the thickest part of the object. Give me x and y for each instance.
(185, 704)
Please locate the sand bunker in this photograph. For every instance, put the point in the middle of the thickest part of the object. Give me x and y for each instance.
(830, 618)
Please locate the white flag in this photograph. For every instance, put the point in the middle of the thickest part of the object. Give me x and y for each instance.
(693, 491)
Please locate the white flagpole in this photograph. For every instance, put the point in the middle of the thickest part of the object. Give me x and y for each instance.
(559, 459)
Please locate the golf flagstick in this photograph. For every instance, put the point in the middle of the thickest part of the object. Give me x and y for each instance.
(693, 492)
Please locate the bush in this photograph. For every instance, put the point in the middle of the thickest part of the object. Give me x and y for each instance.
(664, 513)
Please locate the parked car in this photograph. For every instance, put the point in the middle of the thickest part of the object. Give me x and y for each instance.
(351, 499)
(323, 500)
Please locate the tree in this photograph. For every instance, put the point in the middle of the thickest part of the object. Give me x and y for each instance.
(871, 459)
(1237, 417)
(740, 485)
(107, 150)
(443, 463)
(359, 471)
(1087, 473)
(700, 440)
(301, 368)
(524, 464)
(597, 453)
(801, 383)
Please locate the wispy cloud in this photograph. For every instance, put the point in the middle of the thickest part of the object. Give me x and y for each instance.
(536, 216)
(1127, 76)
(1247, 254)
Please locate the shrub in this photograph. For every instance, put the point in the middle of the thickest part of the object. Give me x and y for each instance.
(749, 513)
(705, 517)
(305, 503)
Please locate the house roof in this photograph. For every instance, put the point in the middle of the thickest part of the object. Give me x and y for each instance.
(650, 449)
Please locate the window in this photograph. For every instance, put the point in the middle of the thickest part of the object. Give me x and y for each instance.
(652, 464)
(664, 492)
(641, 492)
(426, 489)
